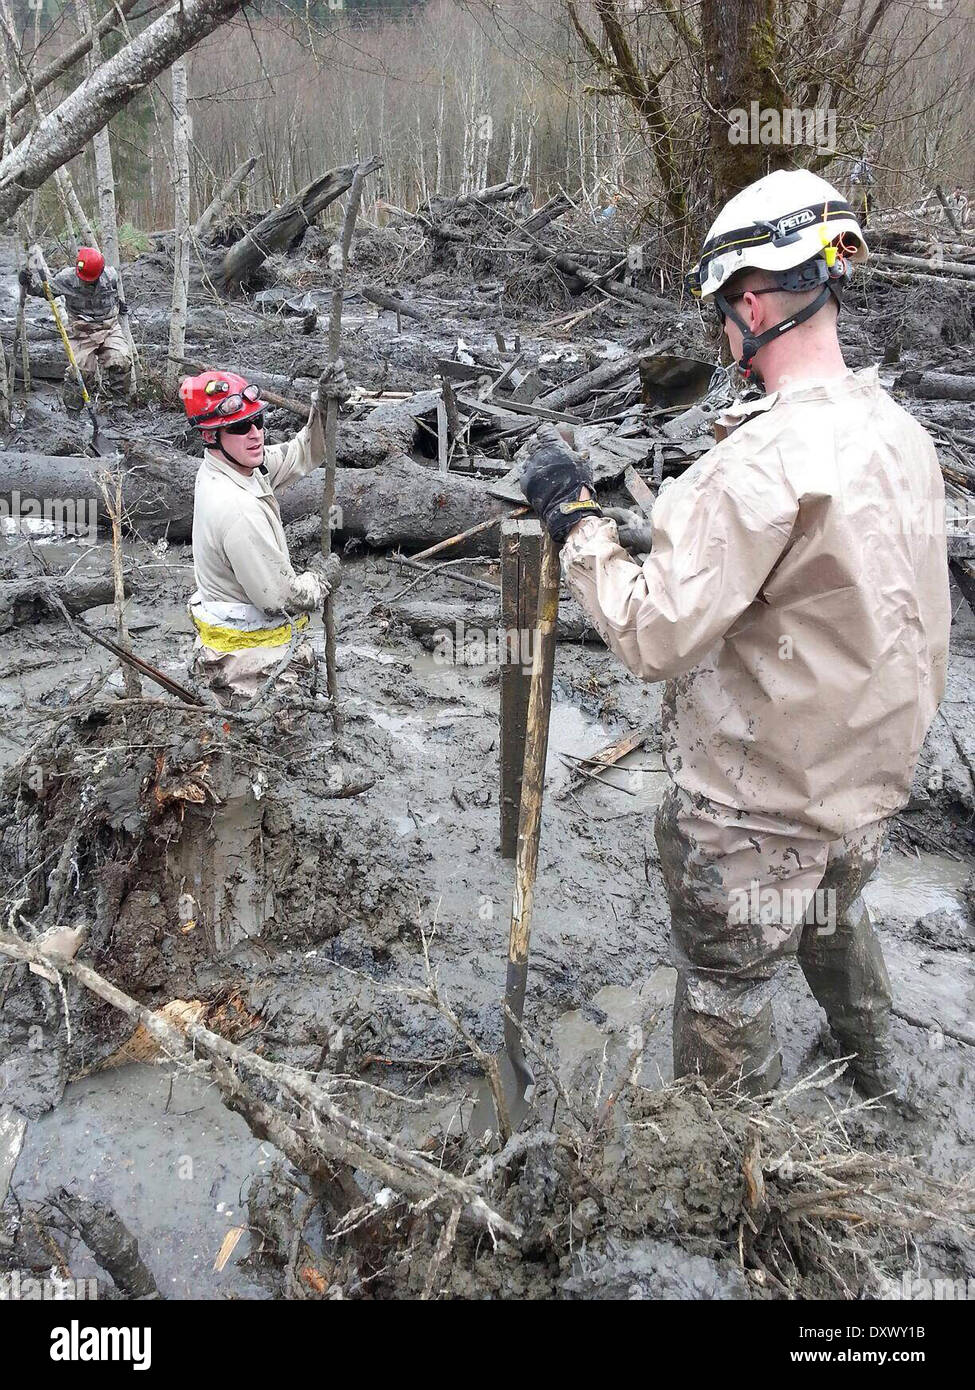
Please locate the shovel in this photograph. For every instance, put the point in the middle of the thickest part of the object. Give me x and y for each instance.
(514, 1071)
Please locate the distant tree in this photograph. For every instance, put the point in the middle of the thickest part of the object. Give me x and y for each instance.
(689, 72)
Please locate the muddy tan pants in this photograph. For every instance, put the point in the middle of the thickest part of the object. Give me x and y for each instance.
(101, 351)
(745, 893)
(236, 677)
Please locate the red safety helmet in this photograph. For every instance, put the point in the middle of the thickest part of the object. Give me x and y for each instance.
(214, 399)
(90, 264)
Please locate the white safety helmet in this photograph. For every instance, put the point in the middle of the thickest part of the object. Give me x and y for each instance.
(776, 223)
(792, 224)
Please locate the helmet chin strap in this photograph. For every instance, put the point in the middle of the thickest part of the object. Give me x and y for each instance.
(218, 446)
(750, 344)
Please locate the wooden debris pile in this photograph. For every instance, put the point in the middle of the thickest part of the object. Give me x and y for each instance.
(497, 231)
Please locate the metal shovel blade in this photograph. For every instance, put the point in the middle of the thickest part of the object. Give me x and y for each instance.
(514, 1073)
(515, 1076)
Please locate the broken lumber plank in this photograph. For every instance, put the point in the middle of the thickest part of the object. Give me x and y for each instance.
(521, 561)
(512, 407)
(455, 429)
(639, 491)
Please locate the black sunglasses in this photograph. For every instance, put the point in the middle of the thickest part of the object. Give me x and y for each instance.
(244, 426)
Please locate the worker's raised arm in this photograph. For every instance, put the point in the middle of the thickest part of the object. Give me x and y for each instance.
(63, 282)
(717, 534)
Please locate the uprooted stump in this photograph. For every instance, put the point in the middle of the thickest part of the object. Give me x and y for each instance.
(174, 836)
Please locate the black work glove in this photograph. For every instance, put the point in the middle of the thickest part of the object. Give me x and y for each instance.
(552, 480)
(25, 277)
(123, 309)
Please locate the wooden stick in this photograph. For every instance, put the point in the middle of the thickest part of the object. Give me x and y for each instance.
(469, 579)
(331, 424)
(462, 536)
(949, 212)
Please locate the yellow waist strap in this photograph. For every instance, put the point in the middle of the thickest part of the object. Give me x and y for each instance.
(233, 639)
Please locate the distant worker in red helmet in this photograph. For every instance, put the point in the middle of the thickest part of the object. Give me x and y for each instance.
(90, 290)
(248, 599)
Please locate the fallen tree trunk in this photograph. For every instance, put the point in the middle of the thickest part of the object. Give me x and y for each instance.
(467, 633)
(157, 490)
(937, 386)
(496, 193)
(23, 600)
(390, 301)
(959, 269)
(398, 504)
(279, 230)
(66, 130)
(210, 214)
(582, 387)
(402, 504)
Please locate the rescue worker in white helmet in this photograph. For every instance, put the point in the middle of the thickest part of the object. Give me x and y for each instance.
(248, 598)
(795, 600)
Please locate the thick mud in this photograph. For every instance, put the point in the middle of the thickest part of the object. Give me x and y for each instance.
(237, 869)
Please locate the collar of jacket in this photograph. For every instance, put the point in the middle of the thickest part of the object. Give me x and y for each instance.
(220, 465)
(828, 389)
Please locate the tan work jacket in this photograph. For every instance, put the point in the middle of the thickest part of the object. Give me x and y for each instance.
(796, 602)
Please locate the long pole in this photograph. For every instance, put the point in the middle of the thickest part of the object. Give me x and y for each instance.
(331, 418)
(530, 816)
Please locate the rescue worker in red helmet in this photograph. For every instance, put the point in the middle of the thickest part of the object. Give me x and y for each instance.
(248, 599)
(95, 310)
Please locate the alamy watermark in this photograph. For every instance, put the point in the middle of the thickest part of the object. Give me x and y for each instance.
(16, 1286)
(924, 1290)
(70, 516)
(767, 905)
(476, 646)
(766, 125)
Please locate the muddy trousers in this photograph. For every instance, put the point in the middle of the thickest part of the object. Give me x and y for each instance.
(746, 892)
(102, 353)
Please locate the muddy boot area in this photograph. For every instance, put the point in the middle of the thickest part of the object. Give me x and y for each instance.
(283, 946)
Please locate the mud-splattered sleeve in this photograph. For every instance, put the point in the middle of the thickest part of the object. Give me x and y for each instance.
(714, 544)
